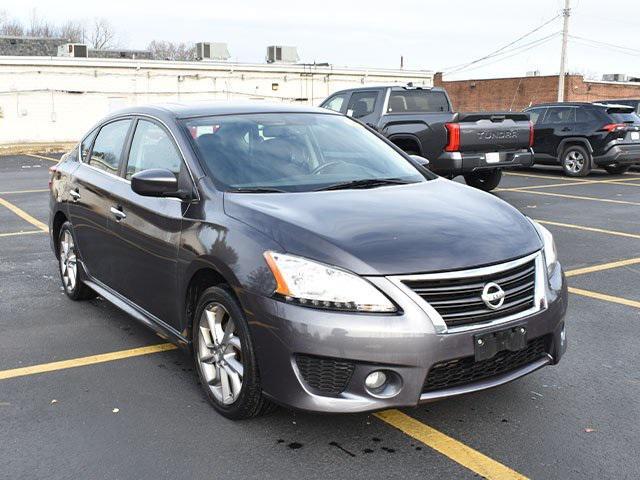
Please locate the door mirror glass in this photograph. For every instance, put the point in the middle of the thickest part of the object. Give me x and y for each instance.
(421, 160)
(156, 182)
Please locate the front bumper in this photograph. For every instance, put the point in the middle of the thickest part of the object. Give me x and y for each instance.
(456, 163)
(407, 344)
(620, 155)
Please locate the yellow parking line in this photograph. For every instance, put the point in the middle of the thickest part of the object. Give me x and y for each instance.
(605, 297)
(549, 177)
(589, 229)
(84, 361)
(42, 157)
(10, 192)
(14, 234)
(455, 450)
(24, 215)
(602, 266)
(570, 184)
(575, 197)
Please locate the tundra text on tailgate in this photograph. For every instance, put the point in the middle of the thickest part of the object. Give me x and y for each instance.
(421, 122)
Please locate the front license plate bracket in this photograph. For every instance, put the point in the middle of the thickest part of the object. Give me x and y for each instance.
(486, 345)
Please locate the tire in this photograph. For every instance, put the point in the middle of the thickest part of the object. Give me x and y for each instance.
(485, 180)
(617, 169)
(71, 273)
(575, 161)
(227, 357)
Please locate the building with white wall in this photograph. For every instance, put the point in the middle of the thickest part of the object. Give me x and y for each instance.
(56, 99)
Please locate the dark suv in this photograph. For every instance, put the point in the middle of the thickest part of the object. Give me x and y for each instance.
(582, 136)
(303, 258)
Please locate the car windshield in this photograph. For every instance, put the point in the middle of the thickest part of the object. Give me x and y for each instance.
(296, 152)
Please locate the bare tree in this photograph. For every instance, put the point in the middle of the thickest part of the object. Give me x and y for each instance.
(39, 27)
(101, 35)
(10, 26)
(163, 50)
(72, 30)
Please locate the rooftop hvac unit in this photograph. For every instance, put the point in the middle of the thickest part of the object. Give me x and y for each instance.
(212, 51)
(78, 50)
(533, 73)
(280, 54)
(614, 77)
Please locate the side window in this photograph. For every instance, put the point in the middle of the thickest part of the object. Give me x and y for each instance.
(556, 115)
(362, 104)
(152, 148)
(583, 116)
(107, 149)
(335, 103)
(85, 145)
(536, 115)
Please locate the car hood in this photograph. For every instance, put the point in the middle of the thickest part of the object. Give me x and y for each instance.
(423, 227)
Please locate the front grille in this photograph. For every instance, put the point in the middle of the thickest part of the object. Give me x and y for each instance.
(459, 302)
(327, 375)
(466, 370)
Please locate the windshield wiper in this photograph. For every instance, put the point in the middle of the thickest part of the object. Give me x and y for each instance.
(365, 183)
(256, 190)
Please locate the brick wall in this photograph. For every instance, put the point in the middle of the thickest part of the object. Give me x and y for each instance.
(517, 93)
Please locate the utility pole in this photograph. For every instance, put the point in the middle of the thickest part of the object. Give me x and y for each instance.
(563, 54)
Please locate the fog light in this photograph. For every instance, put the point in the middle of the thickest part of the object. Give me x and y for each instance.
(375, 380)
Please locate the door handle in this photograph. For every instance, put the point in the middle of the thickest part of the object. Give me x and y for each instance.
(118, 213)
(75, 194)
(566, 129)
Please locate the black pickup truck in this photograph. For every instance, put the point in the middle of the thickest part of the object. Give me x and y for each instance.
(421, 122)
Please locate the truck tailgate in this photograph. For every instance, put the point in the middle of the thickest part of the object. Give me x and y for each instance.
(493, 131)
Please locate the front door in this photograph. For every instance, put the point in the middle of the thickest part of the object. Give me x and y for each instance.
(148, 228)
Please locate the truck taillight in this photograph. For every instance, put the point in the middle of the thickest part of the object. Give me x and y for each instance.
(453, 142)
(531, 134)
(52, 172)
(610, 127)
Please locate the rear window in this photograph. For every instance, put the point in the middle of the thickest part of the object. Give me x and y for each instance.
(417, 101)
(618, 116)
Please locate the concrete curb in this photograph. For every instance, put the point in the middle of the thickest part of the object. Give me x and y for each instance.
(48, 147)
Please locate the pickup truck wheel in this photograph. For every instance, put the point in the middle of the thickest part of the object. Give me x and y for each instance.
(225, 358)
(576, 161)
(485, 180)
(617, 169)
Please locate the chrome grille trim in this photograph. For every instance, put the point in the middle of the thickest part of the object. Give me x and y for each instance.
(540, 300)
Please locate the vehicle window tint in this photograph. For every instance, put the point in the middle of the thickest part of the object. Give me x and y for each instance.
(536, 114)
(626, 117)
(583, 116)
(152, 147)
(85, 146)
(335, 103)
(560, 115)
(417, 101)
(361, 104)
(107, 148)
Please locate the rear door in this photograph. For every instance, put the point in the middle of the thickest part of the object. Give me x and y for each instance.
(148, 228)
(92, 184)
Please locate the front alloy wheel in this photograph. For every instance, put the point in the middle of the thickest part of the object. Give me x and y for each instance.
(220, 353)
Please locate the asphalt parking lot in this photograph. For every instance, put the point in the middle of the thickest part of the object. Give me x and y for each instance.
(87, 392)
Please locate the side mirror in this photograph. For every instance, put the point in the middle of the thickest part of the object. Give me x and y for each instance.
(156, 182)
(421, 160)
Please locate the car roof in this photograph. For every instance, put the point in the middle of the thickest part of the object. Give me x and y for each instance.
(222, 107)
(562, 104)
(392, 86)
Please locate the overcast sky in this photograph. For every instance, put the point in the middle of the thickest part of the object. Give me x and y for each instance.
(430, 35)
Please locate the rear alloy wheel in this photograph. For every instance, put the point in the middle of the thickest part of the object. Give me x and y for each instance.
(485, 180)
(224, 356)
(617, 169)
(576, 161)
(71, 272)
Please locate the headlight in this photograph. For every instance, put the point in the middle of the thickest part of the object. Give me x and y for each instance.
(313, 284)
(550, 252)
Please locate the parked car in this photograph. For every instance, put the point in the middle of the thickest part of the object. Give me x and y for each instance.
(421, 122)
(583, 136)
(631, 102)
(303, 258)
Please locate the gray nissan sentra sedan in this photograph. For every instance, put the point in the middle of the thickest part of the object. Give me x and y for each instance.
(304, 259)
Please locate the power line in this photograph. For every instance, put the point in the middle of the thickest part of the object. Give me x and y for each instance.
(610, 46)
(454, 68)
